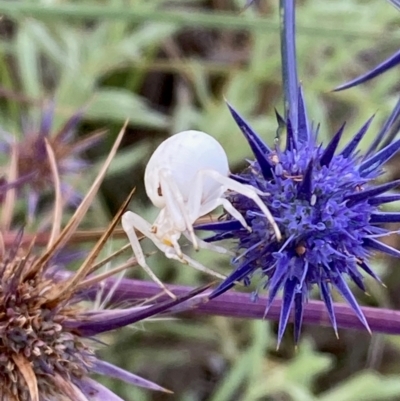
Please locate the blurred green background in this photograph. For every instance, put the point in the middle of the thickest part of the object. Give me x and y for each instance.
(167, 66)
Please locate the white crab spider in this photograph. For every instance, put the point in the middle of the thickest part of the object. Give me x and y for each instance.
(187, 177)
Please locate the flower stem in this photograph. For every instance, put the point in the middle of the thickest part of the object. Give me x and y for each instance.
(239, 305)
(288, 57)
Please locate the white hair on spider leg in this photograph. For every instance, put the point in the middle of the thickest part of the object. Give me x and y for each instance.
(186, 178)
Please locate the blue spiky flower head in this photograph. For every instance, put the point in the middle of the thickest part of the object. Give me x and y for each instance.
(325, 201)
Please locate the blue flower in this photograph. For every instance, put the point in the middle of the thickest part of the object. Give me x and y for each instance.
(325, 201)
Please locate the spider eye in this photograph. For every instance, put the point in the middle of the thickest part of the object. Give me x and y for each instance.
(159, 191)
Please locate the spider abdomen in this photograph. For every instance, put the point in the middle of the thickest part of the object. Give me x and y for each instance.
(182, 156)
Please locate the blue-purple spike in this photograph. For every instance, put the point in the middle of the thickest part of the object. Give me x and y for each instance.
(330, 150)
(394, 130)
(352, 145)
(379, 246)
(229, 225)
(239, 274)
(291, 142)
(356, 277)
(219, 237)
(369, 271)
(380, 200)
(109, 370)
(384, 130)
(379, 158)
(298, 315)
(304, 131)
(130, 316)
(71, 124)
(385, 217)
(18, 182)
(370, 193)
(327, 298)
(305, 189)
(276, 282)
(378, 70)
(396, 3)
(281, 124)
(259, 148)
(238, 178)
(289, 292)
(248, 132)
(346, 293)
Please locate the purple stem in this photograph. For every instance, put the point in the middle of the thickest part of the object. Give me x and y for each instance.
(239, 305)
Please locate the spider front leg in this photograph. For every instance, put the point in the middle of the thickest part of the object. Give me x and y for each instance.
(210, 247)
(130, 221)
(191, 262)
(245, 190)
(176, 207)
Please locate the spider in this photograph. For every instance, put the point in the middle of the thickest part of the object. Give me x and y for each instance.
(186, 178)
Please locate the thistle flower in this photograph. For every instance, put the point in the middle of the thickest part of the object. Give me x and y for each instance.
(47, 334)
(33, 170)
(47, 344)
(325, 201)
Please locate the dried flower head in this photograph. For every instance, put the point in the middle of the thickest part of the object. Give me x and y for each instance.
(32, 166)
(47, 334)
(326, 203)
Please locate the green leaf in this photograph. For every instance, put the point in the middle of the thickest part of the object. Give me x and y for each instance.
(119, 104)
(316, 363)
(27, 63)
(365, 386)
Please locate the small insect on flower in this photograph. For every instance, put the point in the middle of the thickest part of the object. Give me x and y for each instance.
(187, 177)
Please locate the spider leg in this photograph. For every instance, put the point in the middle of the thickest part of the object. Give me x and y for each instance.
(245, 190)
(197, 209)
(211, 247)
(185, 259)
(176, 207)
(130, 221)
(211, 205)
